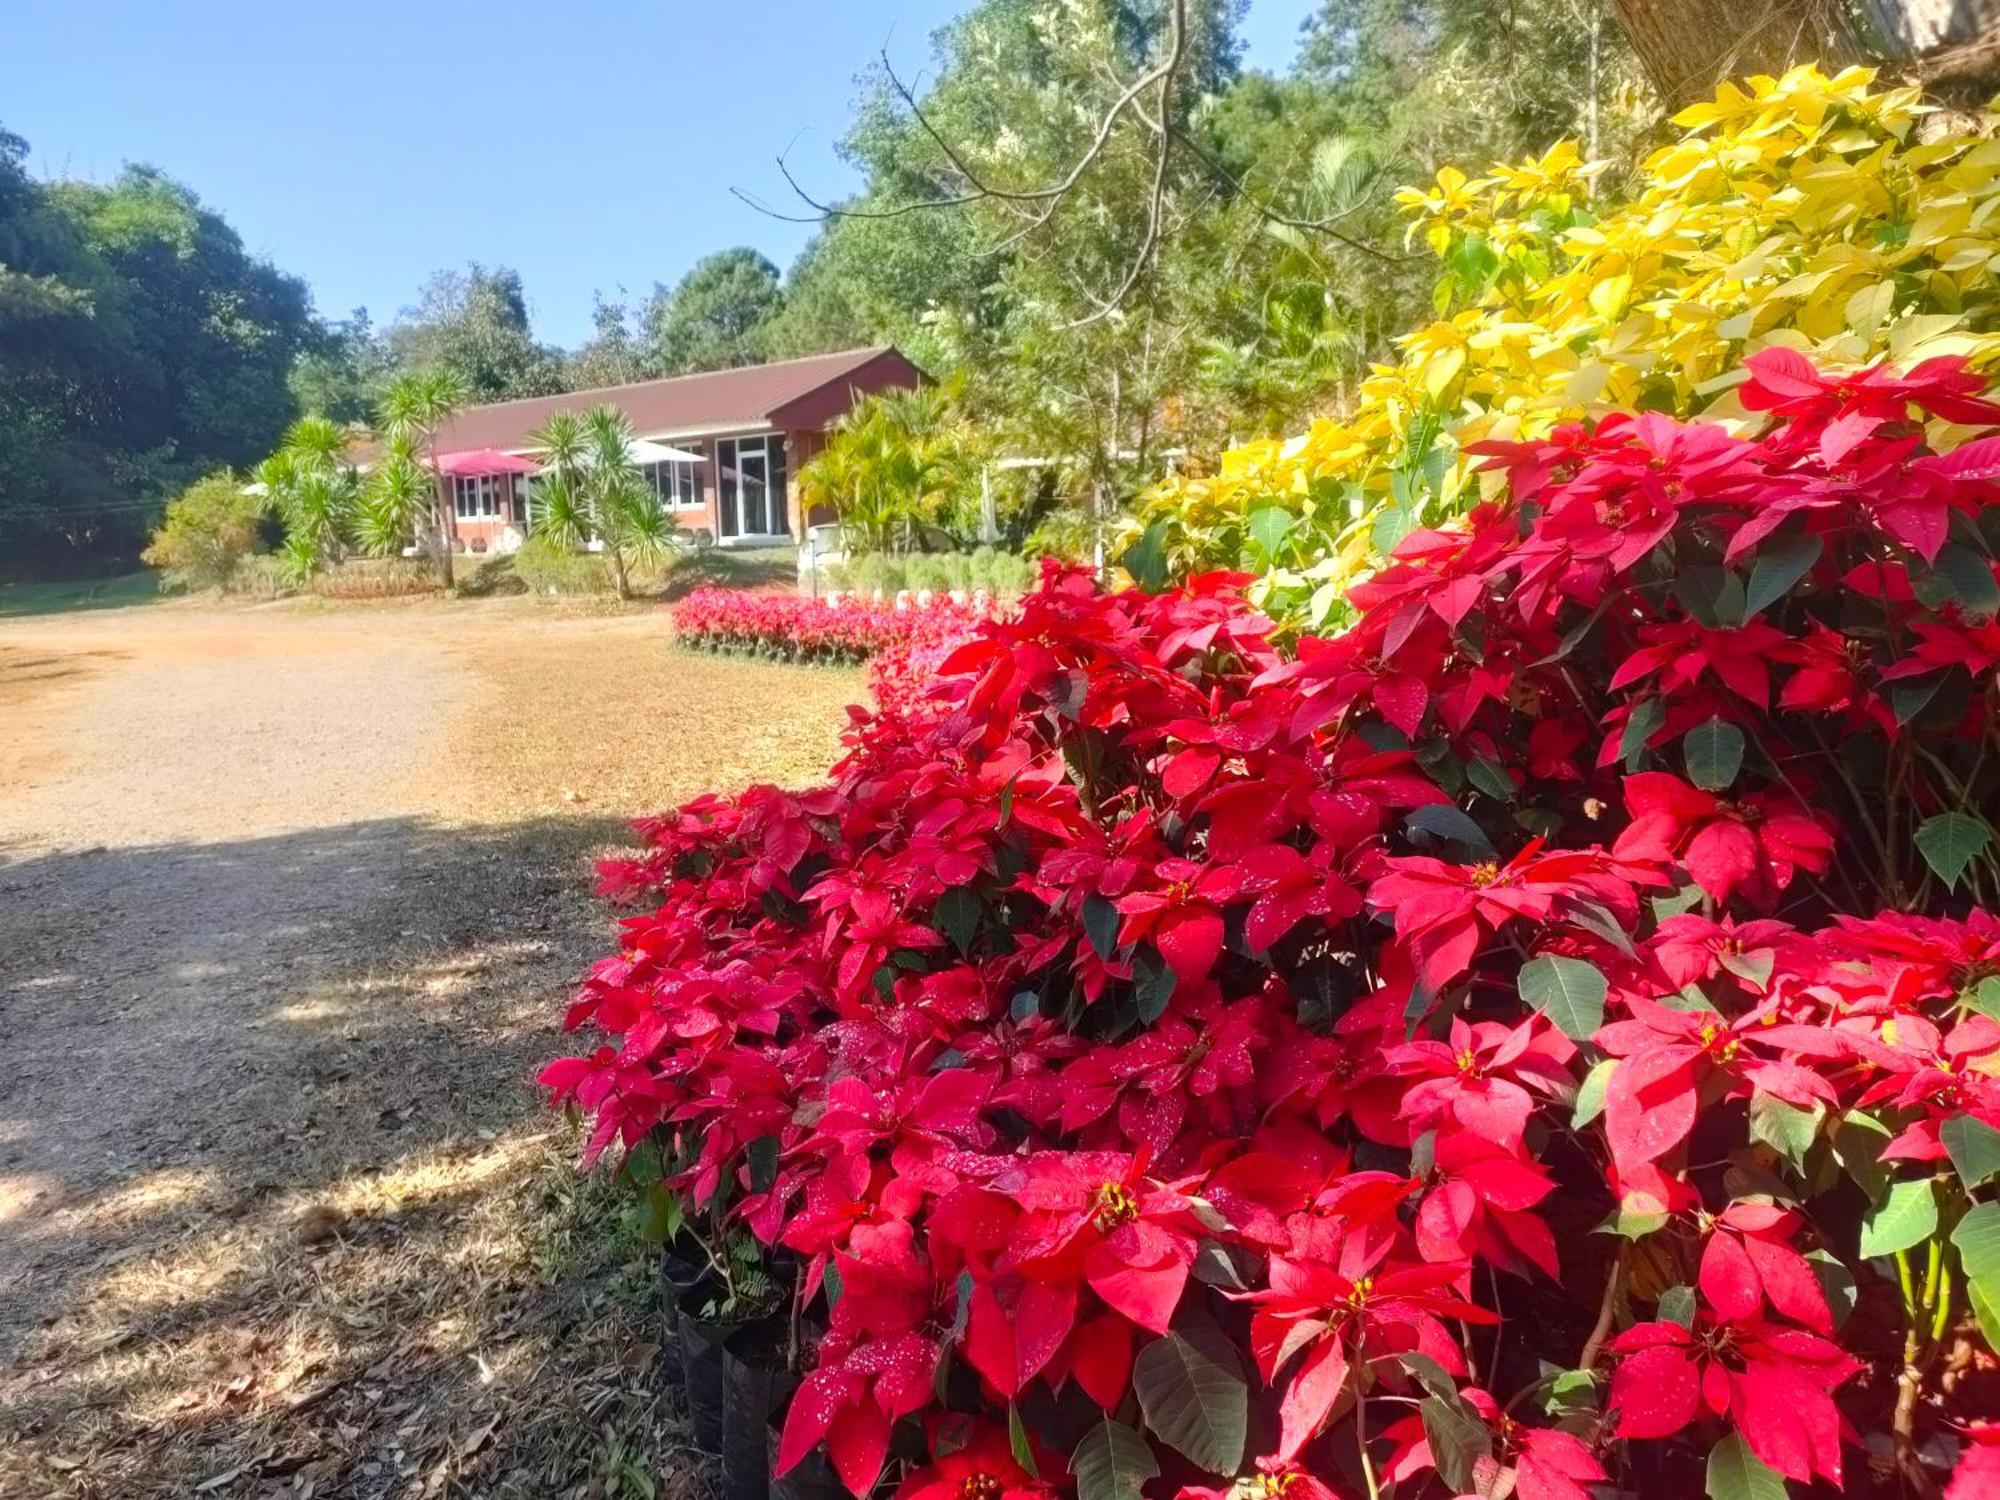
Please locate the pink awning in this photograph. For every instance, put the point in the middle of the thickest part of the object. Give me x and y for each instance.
(483, 461)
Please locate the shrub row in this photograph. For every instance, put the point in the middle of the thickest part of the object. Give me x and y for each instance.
(1546, 1037)
(988, 568)
(785, 627)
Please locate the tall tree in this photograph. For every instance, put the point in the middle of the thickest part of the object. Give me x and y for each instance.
(340, 370)
(475, 324)
(614, 354)
(1435, 81)
(715, 315)
(140, 346)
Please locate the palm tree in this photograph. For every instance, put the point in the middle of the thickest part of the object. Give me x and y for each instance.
(309, 482)
(623, 509)
(561, 507)
(414, 407)
(394, 503)
(892, 465)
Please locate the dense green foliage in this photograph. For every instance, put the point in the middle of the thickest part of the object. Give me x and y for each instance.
(209, 529)
(1236, 288)
(1231, 288)
(715, 317)
(140, 346)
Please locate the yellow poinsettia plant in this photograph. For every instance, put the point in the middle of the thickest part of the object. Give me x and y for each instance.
(1814, 212)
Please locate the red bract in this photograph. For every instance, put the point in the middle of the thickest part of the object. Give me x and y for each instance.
(1773, 1382)
(1146, 1012)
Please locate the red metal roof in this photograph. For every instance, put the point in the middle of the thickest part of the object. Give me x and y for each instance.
(684, 405)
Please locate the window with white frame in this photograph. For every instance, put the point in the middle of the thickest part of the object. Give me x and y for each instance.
(476, 497)
(677, 482)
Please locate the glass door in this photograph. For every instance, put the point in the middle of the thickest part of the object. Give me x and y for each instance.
(751, 500)
(726, 489)
(753, 464)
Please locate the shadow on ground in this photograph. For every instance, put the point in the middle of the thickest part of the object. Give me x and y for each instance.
(311, 1233)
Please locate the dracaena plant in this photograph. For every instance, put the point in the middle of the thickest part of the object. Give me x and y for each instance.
(1545, 1040)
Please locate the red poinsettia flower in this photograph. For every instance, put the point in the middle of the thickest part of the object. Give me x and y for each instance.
(974, 1465)
(1774, 1383)
(1444, 911)
(1755, 844)
(1748, 1262)
(1330, 1319)
(1182, 915)
(1682, 652)
(1476, 1078)
(853, 1400)
(1548, 1463)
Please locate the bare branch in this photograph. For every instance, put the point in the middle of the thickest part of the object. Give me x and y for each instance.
(1156, 200)
(1266, 211)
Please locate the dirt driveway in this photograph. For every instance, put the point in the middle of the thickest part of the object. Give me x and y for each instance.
(288, 901)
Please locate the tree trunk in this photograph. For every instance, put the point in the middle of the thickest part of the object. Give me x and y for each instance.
(440, 522)
(618, 580)
(1688, 46)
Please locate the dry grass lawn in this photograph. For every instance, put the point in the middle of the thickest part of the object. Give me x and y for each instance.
(290, 898)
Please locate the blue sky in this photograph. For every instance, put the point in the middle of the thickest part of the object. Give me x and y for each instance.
(365, 145)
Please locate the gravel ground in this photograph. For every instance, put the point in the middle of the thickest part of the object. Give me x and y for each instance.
(289, 898)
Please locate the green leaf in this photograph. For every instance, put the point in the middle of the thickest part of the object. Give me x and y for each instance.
(1983, 997)
(1569, 991)
(1781, 562)
(1645, 721)
(957, 916)
(1490, 777)
(1632, 1224)
(1835, 1281)
(1100, 921)
(1907, 1216)
(1570, 1391)
(659, 1214)
(1152, 984)
(1595, 918)
(1677, 1305)
(1735, 1473)
(1458, 1439)
(1191, 1390)
(1910, 696)
(1714, 754)
(1974, 1148)
(1017, 1440)
(1215, 1264)
(1112, 1463)
(1986, 1309)
(1712, 594)
(1431, 1375)
(1950, 841)
(1858, 1140)
(962, 1311)
(1590, 1094)
(1268, 528)
(1686, 899)
(1785, 1128)
(762, 1154)
(1146, 559)
(1978, 1240)
(1965, 579)
(1442, 821)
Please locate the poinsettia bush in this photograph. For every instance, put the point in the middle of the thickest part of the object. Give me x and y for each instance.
(790, 628)
(1545, 1040)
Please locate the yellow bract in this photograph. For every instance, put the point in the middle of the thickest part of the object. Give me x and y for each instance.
(1807, 211)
